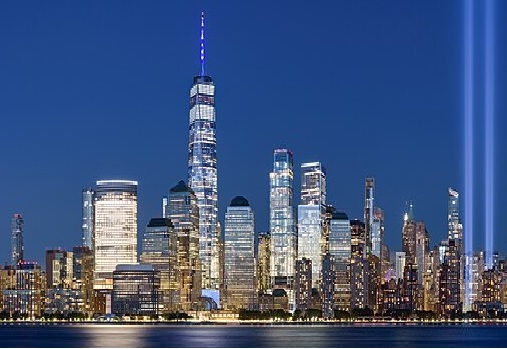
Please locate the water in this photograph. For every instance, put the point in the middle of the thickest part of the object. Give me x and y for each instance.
(186, 335)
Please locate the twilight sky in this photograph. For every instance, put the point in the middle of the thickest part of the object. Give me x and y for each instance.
(99, 90)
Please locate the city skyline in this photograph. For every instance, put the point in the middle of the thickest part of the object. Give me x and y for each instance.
(345, 190)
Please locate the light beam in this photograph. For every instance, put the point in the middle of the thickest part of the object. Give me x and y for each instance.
(468, 106)
(489, 137)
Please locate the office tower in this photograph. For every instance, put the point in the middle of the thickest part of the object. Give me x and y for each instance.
(88, 213)
(477, 268)
(115, 228)
(82, 270)
(401, 261)
(282, 224)
(369, 205)
(358, 266)
(340, 250)
(303, 284)
(239, 263)
(183, 212)
(326, 230)
(449, 286)
(408, 236)
(135, 290)
(328, 285)
(263, 259)
(422, 248)
(160, 249)
(311, 214)
(202, 170)
(17, 246)
(59, 269)
(455, 232)
(431, 276)
(377, 233)
(164, 206)
(374, 279)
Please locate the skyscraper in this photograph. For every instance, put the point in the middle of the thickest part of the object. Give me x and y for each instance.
(455, 233)
(340, 250)
(369, 206)
(183, 212)
(88, 213)
(377, 233)
(282, 220)
(239, 264)
(115, 228)
(263, 259)
(311, 216)
(408, 239)
(17, 245)
(202, 170)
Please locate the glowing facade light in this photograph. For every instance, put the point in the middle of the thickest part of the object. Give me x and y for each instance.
(489, 66)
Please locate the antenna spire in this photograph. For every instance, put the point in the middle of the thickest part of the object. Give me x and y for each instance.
(202, 44)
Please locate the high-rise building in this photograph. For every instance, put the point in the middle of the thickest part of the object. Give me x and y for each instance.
(303, 284)
(183, 212)
(88, 213)
(422, 247)
(160, 249)
(328, 285)
(377, 233)
(28, 295)
(455, 233)
(263, 259)
(358, 266)
(369, 206)
(239, 264)
(202, 170)
(82, 270)
(311, 215)
(408, 236)
(401, 261)
(17, 246)
(115, 228)
(282, 222)
(340, 251)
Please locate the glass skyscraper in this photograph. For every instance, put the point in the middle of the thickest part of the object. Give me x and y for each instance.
(17, 246)
(239, 268)
(88, 213)
(115, 228)
(282, 223)
(369, 205)
(311, 216)
(340, 241)
(202, 170)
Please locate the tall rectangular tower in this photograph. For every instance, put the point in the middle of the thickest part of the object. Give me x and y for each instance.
(115, 229)
(369, 206)
(88, 213)
(17, 246)
(281, 220)
(202, 170)
(311, 216)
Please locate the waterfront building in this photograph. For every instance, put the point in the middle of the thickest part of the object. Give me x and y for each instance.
(369, 205)
(340, 251)
(28, 296)
(421, 251)
(449, 286)
(115, 228)
(17, 245)
(282, 224)
(263, 259)
(160, 249)
(303, 284)
(202, 170)
(375, 280)
(183, 212)
(59, 269)
(239, 231)
(328, 285)
(311, 215)
(455, 233)
(358, 266)
(7, 282)
(477, 268)
(82, 271)
(88, 217)
(135, 290)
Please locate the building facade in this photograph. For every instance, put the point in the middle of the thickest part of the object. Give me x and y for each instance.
(17, 245)
(115, 228)
(282, 220)
(239, 263)
(88, 214)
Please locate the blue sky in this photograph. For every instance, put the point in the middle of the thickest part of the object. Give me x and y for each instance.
(96, 90)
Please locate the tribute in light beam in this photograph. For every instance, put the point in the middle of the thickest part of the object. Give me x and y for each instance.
(468, 104)
(489, 99)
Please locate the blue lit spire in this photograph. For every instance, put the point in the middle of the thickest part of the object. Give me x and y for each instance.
(202, 43)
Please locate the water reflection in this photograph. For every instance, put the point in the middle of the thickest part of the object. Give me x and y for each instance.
(116, 336)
